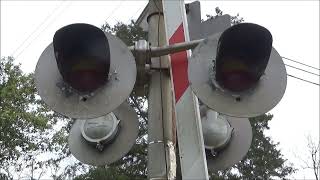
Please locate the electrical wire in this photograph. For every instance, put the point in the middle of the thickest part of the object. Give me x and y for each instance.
(50, 23)
(300, 63)
(44, 20)
(302, 70)
(303, 79)
(135, 14)
(116, 8)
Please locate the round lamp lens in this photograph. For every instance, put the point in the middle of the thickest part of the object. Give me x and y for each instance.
(87, 75)
(97, 129)
(237, 81)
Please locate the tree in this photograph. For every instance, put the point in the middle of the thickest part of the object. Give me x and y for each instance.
(311, 156)
(102, 173)
(234, 19)
(25, 121)
(27, 125)
(314, 160)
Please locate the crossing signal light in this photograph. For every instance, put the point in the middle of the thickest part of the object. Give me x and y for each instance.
(237, 72)
(83, 56)
(226, 139)
(85, 72)
(104, 140)
(242, 56)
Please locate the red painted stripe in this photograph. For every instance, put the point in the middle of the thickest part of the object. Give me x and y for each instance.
(179, 65)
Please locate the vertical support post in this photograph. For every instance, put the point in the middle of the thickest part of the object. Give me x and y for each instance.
(189, 130)
(161, 151)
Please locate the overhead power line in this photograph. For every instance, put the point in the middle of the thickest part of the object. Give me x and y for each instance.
(303, 79)
(50, 23)
(112, 12)
(302, 70)
(37, 28)
(301, 63)
(135, 13)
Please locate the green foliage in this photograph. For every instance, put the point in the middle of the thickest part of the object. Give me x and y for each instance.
(264, 160)
(234, 19)
(100, 173)
(26, 123)
(3, 176)
(128, 33)
(22, 116)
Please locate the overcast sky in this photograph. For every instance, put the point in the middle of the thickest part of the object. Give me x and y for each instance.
(27, 27)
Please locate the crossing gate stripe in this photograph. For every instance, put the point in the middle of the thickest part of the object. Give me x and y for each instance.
(179, 65)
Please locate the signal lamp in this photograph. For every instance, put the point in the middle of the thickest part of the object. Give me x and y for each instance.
(226, 139)
(238, 72)
(85, 73)
(104, 140)
(100, 131)
(243, 53)
(216, 130)
(83, 56)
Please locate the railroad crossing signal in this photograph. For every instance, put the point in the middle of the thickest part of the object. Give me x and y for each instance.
(238, 72)
(87, 74)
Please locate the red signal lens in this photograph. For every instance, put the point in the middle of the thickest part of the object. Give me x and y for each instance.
(87, 76)
(235, 75)
(237, 80)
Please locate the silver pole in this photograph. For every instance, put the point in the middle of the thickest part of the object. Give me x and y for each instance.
(168, 49)
(161, 152)
(164, 50)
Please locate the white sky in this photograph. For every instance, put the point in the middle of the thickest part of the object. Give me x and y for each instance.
(293, 24)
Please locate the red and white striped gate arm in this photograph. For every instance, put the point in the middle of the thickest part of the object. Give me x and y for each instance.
(189, 130)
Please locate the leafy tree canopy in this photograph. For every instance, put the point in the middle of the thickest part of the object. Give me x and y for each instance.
(22, 116)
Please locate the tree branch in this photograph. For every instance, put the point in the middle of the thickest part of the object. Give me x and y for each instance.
(137, 106)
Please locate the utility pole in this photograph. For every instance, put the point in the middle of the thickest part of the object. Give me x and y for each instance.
(161, 148)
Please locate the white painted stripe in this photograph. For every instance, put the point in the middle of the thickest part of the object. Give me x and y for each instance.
(189, 133)
(172, 15)
(189, 130)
